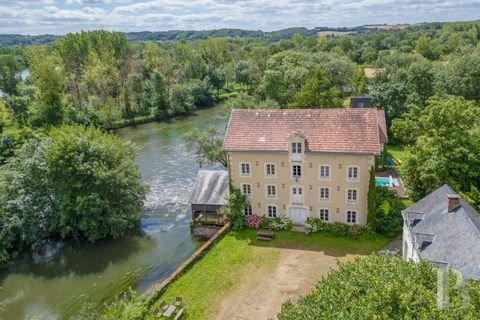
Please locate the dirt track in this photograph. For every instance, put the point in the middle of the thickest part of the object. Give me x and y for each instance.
(261, 296)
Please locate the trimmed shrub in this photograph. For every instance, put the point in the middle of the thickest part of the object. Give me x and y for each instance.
(314, 225)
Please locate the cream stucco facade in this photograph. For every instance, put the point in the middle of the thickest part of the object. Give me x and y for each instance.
(270, 176)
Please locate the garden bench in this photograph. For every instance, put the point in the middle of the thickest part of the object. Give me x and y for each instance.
(179, 314)
(266, 235)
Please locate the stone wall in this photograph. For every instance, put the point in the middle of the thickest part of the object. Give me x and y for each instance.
(157, 290)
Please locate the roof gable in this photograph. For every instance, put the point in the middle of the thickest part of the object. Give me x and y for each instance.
(325, 130)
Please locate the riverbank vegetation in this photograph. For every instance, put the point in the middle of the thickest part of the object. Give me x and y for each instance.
(377, 287)
(68, 183)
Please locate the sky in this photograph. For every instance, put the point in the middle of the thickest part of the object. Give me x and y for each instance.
(60, 17)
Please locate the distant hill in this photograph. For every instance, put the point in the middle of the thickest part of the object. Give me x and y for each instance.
(13, 40)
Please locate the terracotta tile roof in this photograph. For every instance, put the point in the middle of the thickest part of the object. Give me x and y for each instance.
(382, 125)
(325, 130)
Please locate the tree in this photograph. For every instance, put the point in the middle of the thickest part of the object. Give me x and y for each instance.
(75, 183)
(245, 101)
(424, 47)
(388, 212)
(318, 92)
(181, 99)
(241, 73)
(419, 82)
(9, 73)
(208, 147)
(285, 75)
(360, 82)
(444, 145)
(156, 95)
(460, 76)
(48, 78)
(3, 116)
(372, 195)
(379, 287)
(235, 209)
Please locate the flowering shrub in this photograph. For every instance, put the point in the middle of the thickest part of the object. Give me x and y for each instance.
(314, 225)
(253, 221)
(256, 222)
(279, 223)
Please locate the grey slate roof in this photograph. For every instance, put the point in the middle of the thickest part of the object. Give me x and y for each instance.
(211, 188)
(446, 237)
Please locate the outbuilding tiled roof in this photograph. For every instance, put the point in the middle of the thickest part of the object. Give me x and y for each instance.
(359, 131)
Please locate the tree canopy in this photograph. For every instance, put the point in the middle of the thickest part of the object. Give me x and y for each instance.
(72, 183)
(444, 145)
(377, 287)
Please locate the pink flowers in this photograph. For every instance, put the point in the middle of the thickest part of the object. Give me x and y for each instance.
(253, 221)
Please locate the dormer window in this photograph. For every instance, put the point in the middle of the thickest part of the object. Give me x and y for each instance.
(296, 147)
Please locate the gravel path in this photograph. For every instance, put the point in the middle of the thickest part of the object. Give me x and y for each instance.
(262, 295)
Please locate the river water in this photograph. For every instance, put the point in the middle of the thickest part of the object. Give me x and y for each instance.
(55, 283)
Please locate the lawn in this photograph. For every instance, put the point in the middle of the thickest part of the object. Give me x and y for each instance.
(397, 153)
(229, 263)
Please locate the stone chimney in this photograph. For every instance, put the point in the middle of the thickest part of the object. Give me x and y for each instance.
(453, 202)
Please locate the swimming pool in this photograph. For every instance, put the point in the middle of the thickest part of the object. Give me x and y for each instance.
(384, 182)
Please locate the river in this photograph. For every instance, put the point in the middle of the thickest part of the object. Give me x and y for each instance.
(55, 283)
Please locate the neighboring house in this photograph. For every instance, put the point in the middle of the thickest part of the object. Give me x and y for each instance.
(301, 163)
(445, 230)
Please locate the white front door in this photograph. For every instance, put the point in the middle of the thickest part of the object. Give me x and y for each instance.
(297, 195)
(298, 215)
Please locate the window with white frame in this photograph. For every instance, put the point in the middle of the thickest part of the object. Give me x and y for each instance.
(296, 171)
(324, 172)
(270, 170)
(351, 216)
(248, 210)
(296, 147)
(272, 211)
(324, 214)
(245, 169)
(352, 173)
(352, 195)
(324, 194)
(247, 189)
(271, 191)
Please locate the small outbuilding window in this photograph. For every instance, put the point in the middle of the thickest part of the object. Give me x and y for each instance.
(248, 210)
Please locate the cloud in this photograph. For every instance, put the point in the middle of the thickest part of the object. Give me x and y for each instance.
(58, 17)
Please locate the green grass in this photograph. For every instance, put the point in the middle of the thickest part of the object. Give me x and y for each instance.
(408, 202)
(397, 152)
(231, 260)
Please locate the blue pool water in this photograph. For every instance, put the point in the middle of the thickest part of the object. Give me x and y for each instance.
(384, 182)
